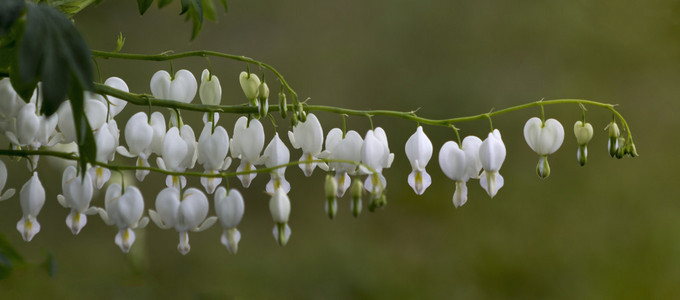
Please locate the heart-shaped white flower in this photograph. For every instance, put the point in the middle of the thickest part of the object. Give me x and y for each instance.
(181, 88)
(419, 151)
(229, 207)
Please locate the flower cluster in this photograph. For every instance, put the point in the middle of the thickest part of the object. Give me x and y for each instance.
(352, 161)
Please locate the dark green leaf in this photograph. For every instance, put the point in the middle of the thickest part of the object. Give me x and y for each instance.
(185, 6)
(50, 264)
(10, 10)
(163, 3)
(87, 147)
(52, 50)
(209, 10)
(224, 4)
(24, 89)
(143, 5)
(8, 250)
(6, 266)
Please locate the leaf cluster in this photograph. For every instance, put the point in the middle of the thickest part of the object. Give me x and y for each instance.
(194, 10)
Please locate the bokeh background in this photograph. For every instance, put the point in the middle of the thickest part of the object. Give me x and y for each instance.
(609, 230)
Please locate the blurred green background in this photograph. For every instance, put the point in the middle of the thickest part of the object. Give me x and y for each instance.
(609, 230)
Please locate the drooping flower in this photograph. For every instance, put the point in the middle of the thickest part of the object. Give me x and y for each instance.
(375, 153)
(279, 207)
(308, 136)
(179, 154)
(210, 90)
(76, 194)
(249, 84)
(583, 133)
(95, 111)
(114, 105)
(492, 155)
(276, 154)
(32, 198)
(544, 138)
(106, 139)
(138, 136)
(184, 215)
(229, 207)
(124, 210)
(419, 151)
(613, 142)
(246, 145)
(346, 148)
(460, 165)
(182, 87)
(213, 145)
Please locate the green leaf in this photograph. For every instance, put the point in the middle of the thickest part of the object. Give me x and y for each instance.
(10, 11)
(52, 50)
(143, 5)
(163, 3)
(209, 10)
(224, 4)
(87, 147)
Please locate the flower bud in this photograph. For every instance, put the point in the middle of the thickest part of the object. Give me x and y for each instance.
(543, 168)
(632, 150)
(210, 90)
(249, 84)
(583, 132)
(283, 105)
(620, 149)
(613, 138)
(331, 188)
(582, 154)
(263, 92)
(357, 189)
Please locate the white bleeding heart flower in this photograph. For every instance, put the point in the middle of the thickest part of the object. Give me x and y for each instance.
(213, 146)
(77, 194)
(32, 198)
(138, 136)
(419, 151)
(491, 155)
(184, 215)
(95, 111)
(473, 165)
(27, 125)
(279, 207)
(210, 90)
(246, 145)
(308, 136)
(277, 154)
(11, 101)
(124, 210)
(106, 139)
(375, 153)
(346, 148)
(249, 84)
(544, 139)
(229, 207)
(115, 105)
(3, 180)
(181, 88)
(179, 154)
(453, 162)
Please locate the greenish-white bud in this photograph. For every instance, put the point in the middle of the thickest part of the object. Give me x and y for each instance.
(621, 148)
(210, 90)
(543, 168)
(331, 187)
(582, 154)
(250, 84)
(632, 150)
(357, 190)
(283, 105)
(613, 144)
(583, 132)
(263, 108)
(263, 92)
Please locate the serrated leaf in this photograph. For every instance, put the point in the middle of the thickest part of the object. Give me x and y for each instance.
(209, 10)
(143, 5)
(163, 3)
(52, 50)
(224, 4)
(10, 11)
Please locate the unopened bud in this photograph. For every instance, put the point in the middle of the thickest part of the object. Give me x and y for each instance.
(620, 151)
(583, 132)
(633, 150)
(331, 187)
(263, 108)
(301, 113)
(283, 105)
(263, 92)
(582, 155)
(543, 168)
(357, 189)
(249, 84)
(614, 133)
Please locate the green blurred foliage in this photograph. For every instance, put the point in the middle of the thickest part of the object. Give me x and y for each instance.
(606, 230)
